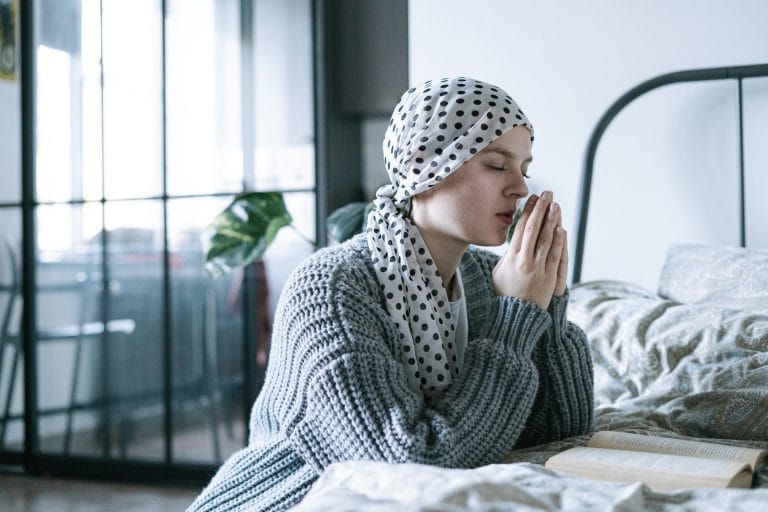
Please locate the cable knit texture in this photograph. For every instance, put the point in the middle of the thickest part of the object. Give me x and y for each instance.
(336, 390)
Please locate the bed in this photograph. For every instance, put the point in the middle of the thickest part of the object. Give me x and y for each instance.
(689, 359)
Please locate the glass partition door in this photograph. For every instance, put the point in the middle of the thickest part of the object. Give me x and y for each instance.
(150, 115)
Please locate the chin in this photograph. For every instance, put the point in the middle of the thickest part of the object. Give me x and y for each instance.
(491, 240)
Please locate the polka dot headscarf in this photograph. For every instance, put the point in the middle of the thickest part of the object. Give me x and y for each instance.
(434, 129)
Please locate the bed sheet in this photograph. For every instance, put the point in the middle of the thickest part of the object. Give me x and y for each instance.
(377, 486)
(519, 483)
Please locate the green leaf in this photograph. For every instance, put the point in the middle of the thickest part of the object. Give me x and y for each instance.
(345, 222)
(243, 231)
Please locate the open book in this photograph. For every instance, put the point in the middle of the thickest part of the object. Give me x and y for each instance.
(663, 464)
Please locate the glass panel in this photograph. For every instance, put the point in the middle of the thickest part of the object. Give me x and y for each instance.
(284, 146)
(91, 101)
(207, 342)
(203, 98)
(133, 122)
(208, 327)
(136, 360)
(100, 384)
(70, 343)
(70, 100)
(58, 125)
(291, 246)
(11, 364)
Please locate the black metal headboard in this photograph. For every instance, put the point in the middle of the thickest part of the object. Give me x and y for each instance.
(694, 75)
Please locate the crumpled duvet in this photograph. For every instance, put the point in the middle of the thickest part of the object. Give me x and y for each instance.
(379, 486)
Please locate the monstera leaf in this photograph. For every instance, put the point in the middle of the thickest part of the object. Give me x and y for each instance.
(243, 230)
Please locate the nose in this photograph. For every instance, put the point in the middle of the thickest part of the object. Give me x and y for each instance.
(516, 184)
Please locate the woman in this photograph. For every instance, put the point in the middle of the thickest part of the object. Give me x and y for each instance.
(405, 344)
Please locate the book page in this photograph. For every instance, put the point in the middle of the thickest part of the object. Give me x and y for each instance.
(660, 472)
(643, 443)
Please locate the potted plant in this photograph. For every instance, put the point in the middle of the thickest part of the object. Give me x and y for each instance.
(244, 230)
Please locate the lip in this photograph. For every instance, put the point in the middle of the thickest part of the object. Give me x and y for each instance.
(506, 217)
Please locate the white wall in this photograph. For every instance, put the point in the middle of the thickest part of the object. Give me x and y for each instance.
(666, 169)
(10, 145)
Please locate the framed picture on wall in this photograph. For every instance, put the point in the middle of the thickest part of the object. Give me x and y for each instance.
(8, 39)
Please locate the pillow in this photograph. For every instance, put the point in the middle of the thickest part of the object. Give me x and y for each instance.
(727, 276)
(697, 369)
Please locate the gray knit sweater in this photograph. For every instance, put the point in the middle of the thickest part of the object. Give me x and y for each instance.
(335, 388)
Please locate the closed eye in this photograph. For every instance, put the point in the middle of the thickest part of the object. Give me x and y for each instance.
(504, 168)
(498, 167)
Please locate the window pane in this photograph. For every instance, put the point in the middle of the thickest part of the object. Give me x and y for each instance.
(92, 178)
(58, 125)
(11, 363)
(76, 118)
(69, 291)
(284, 146)
(291, 246)
(100, 383)
(136, 363)
(203, 98)
(68, 124)
(207, 342)
(208, 326)
(133, 122)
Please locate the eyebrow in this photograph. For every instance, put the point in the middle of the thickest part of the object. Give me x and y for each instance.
(504, 152)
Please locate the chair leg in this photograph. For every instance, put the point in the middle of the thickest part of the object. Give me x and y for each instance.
(9, 397)
(4, 418)
(72, 396)
(210, 369)
(211, 392)
(228, 412)
(124, 431)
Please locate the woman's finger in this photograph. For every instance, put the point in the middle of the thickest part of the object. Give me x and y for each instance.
(517, 236)
(562, 270)
(544, 245)
(532, 228)
(555, 253)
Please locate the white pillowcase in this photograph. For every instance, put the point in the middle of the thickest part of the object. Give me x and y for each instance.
(727, 276)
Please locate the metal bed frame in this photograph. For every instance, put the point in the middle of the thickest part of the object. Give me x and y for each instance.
(738, 73)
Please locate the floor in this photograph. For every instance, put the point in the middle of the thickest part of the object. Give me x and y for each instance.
(19, 493)
(41, 494)
(193, 442)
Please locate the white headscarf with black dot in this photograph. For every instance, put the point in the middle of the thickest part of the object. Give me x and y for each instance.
(435, 128)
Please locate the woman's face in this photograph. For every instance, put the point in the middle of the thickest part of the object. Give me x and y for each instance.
(476, 204)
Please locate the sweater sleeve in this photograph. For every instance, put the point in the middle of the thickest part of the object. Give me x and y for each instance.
(358, 404)
(564, 402)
